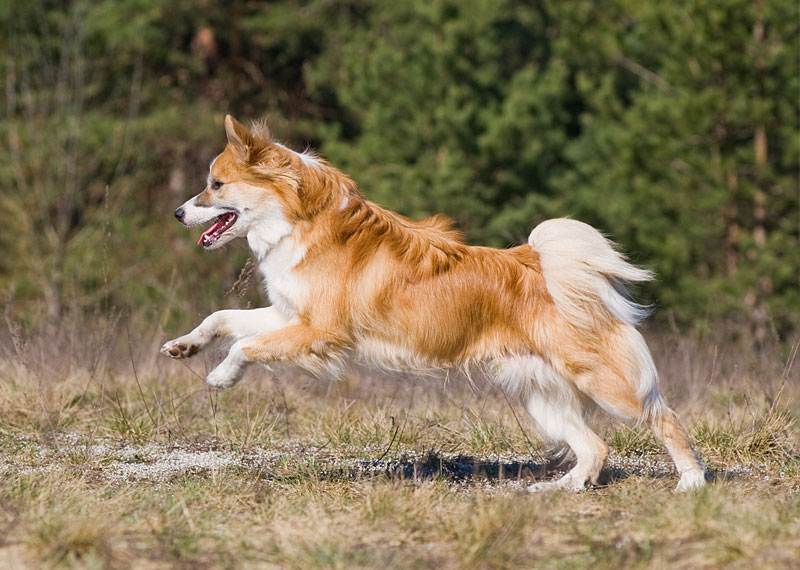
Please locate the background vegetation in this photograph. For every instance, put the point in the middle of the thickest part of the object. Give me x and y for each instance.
(672, 126)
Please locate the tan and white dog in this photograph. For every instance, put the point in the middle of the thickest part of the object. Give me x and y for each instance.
(352, 283)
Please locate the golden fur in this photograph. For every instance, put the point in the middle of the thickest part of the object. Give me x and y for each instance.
(353, 282)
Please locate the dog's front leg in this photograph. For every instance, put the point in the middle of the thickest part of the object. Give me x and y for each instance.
(236, 324)
(296, 344)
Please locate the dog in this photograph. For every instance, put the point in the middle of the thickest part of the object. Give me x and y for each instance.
(352, 283)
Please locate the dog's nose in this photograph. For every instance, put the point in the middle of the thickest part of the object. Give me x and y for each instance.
(179, 214)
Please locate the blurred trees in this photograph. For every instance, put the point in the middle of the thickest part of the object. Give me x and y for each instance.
(696, 162)
(672, 127)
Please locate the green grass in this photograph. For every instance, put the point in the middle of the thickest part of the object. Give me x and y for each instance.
(112, 470)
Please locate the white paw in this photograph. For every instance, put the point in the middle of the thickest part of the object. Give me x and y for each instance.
(566, 483)
(183, 347)
(228, 372)
(691, 480)
(543, 487)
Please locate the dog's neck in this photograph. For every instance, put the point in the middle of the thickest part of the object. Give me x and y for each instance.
(276, 260)
(263, 237)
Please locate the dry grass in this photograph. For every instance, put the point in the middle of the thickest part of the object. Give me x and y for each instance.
(107, 467)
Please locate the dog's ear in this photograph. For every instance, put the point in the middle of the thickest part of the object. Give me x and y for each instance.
(239, 137)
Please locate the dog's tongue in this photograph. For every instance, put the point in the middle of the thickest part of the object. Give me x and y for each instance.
(213, 233)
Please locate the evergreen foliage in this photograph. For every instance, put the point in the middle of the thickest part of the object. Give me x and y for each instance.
(673, 127)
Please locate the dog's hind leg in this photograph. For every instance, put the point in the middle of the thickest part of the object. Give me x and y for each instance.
(673, 436)
(556, 408)
(236, 324)
(635, 398)
(560, 418)
(615, 395)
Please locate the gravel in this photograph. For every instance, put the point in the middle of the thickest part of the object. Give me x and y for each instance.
(120, 462)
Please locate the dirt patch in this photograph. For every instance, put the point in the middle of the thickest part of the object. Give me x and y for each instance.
(119, 461)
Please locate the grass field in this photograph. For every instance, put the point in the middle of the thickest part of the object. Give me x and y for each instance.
(113, 457)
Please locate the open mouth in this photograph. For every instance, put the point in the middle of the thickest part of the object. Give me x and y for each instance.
(223, 223)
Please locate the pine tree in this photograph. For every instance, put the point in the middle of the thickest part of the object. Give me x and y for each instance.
(688, 148)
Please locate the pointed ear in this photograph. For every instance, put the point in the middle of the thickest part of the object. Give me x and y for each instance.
(239, 137)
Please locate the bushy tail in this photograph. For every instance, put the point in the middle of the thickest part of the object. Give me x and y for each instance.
(585, 273)
(586, 276)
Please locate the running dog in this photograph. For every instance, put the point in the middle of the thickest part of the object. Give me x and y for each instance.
(352, 283)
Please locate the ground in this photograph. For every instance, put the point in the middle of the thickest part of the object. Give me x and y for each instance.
(136, 464)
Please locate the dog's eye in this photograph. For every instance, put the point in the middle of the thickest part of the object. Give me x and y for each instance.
(216, 185)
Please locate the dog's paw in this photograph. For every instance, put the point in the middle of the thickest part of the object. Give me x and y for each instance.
(226, 375)
(180, 348)
(691, 480)
(566, 483)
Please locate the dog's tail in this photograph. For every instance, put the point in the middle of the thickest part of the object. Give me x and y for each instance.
(586, 275)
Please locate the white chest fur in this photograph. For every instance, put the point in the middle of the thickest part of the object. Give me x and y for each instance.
(277, 267)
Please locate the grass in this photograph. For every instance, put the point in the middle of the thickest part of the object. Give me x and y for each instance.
(102, 466)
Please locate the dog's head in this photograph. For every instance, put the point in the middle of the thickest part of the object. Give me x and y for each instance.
(260, 189)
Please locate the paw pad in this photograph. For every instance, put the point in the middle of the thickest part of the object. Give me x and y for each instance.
(181, 350)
